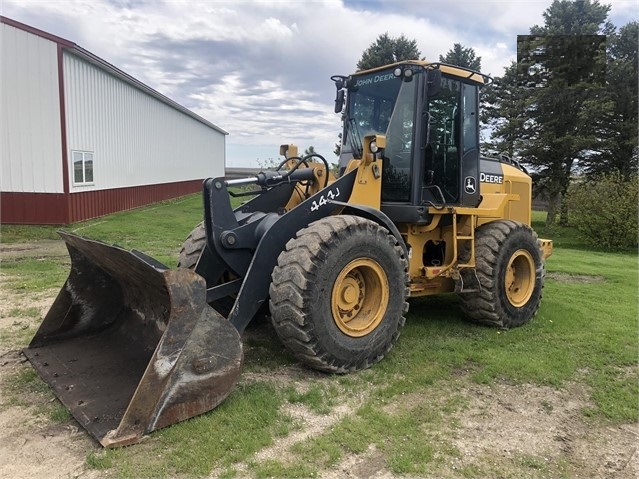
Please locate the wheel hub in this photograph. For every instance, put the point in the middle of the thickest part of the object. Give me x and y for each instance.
(350, 293)
(520, 278)
(360, 297)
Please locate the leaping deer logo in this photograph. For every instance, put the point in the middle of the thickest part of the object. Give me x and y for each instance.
(469, 185)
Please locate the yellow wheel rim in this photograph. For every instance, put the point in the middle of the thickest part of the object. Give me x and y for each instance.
(360, 297)
(520, 278)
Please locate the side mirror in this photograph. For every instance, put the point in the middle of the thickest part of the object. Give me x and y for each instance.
(339, 101)
(434, 83)
(340, 84)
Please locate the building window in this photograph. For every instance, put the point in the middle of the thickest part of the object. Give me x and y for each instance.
(82, 167)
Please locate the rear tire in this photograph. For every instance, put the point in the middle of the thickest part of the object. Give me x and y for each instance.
(190, 254)
(338, 294)
(192, 248)
(510, 270)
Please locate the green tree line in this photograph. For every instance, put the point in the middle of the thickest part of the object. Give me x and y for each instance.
(568, 107)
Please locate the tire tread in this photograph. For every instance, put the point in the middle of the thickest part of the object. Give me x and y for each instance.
(289, 297)
(484, 307)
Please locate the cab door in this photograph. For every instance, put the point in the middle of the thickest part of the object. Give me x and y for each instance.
(469, 173)
(451, 154)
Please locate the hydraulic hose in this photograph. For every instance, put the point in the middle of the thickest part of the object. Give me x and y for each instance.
(271, 178)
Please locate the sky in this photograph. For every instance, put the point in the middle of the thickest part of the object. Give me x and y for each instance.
(261, 69)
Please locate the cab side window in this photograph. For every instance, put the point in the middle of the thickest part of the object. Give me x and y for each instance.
(470, 122)
(443, 150)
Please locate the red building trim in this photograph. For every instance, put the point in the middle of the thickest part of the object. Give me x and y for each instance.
(33, 208)
(63, 121)
(35, 31)
(60, 208)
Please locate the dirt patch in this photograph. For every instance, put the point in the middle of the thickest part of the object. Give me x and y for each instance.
(31, 444)
(22, 311)
(371, 465)
(575, 278)
(542, 429)
(507, 430)
(35, 249)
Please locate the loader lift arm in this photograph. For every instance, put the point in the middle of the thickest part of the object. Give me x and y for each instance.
(248, 241)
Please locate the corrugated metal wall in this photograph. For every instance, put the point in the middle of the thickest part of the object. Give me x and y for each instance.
(31, 150)
(135, 139)
(59, 208)
(92, 204)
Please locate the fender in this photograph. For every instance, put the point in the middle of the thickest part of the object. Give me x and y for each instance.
(377, 216)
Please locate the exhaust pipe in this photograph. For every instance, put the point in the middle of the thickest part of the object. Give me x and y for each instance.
(130, 346)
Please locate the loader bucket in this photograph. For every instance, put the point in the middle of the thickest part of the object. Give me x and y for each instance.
(130, 346)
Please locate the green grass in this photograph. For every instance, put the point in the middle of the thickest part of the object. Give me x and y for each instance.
(25, 233)
(32, 275)
(230, 434)
(157, 230)
(405, 407)
(29, 312)
(399, 434)
(318, 397)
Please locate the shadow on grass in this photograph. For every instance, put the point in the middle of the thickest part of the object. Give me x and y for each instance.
(443, 308)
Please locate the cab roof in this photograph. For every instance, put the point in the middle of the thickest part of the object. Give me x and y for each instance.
(462, 73)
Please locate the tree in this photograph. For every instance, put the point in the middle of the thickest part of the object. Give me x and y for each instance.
(616, 149)
(560, 67)
(579, 17)
(605, 210)
(502, 112)
(463, 57)
(387, 50)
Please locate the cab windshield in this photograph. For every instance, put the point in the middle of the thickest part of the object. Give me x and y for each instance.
(381, 103)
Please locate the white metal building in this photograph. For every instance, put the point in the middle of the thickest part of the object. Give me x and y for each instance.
(81, 138)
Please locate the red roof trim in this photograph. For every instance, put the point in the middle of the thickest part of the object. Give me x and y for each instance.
(27, 28)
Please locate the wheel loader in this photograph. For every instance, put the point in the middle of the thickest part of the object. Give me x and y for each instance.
(130, 345)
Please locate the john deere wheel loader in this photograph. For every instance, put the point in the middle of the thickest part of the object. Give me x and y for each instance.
(130, 346)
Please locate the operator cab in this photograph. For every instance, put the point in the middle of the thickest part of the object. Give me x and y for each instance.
(428, 113)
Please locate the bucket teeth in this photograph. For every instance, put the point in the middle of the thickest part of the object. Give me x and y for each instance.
(130, 346)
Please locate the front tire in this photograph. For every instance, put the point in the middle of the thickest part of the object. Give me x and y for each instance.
(338, 294)
(510, 270)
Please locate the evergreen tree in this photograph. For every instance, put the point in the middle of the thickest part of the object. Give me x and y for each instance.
(387, 50)
(463, 57)
(561, 67)
(502, 112)
(616, 148)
